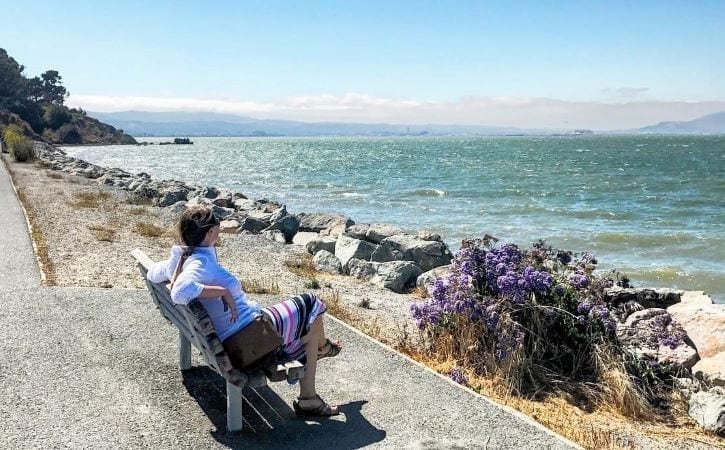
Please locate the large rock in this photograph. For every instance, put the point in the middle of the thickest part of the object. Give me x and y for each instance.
(274, 236)
(395, 275)
(376, 233)
(303, 237)
(254, 224)
(647, 297)
(358, 231)
(222, 213)
(347, 248)
(318, 222)
(711, 370)
(426, 279)
(703, 321)
(172, 195)
(325, 261)
(229, 226)
(708, 409)
(285, 223)
(641, 334)
(403, 247)
(244, 204)
(320, 243)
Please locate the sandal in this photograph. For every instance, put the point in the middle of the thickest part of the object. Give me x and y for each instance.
(333, 349)
(321, 410)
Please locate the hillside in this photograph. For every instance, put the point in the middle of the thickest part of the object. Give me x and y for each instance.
(710, 124)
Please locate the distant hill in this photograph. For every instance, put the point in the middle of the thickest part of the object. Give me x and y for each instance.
(710, 124)
(144, 123)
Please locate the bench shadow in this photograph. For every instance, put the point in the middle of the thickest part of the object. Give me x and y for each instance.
(270, 422)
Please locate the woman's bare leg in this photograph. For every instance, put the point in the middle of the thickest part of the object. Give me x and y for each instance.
(312, 342)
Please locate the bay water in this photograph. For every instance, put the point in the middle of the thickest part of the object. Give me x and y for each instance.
(652, 207)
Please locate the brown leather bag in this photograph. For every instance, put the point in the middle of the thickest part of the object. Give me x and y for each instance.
(254, 345)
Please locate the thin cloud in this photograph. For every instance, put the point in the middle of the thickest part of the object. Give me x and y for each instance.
(521, 112)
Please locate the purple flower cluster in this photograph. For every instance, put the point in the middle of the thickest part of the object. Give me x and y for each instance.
(457, 375)
(578, 280)
(588, 312)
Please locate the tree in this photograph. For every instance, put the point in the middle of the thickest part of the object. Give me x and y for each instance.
(55, 116)
(48, 89)
(12, 81)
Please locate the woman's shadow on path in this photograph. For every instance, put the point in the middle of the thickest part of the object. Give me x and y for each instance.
(269, 421)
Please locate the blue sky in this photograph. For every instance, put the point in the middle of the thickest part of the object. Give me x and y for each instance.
(378, 60)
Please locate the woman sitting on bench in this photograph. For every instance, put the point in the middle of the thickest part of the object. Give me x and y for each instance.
(196, 274)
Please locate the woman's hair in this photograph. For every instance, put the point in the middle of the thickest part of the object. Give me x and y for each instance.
(193, 225)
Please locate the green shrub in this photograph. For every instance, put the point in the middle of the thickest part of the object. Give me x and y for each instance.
(56, 116)
(19, 146)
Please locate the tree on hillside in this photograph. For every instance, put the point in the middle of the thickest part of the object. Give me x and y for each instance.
(12, 81)
(26, 97)
(47, 89)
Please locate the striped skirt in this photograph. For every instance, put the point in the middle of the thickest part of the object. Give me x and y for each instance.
(293, 318)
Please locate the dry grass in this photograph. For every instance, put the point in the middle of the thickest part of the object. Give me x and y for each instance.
(260, 287)
(89, 199)
(137, 212)
(301, 266)
(149, 229)
(53, 175)
(102, 233)
(337, 308)
(36, 234)
(419, 292)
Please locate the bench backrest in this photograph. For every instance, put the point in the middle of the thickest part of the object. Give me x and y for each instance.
(194, 323)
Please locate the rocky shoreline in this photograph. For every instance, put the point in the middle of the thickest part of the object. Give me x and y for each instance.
(384, 256)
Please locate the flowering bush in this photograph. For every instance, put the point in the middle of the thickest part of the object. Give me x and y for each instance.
(538, 317)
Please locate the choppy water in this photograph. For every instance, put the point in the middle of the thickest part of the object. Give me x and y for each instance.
(653, 207)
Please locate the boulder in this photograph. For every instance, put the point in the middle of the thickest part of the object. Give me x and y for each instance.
(222, 213)
(288, 225)
(320, 243)
(274, 236)
(325, 261)
(178, 207)
(708, 410)
(426, 279)
(641, 333)
(347, 248)
(358, 231)
(229, 226)
(394, 275)
(711, 370)
(172, 195)
(647, 297)
(403, 247)
(430, 236)
(208, 192)
(318, 222)
(376, 233)
(703, 321)
(303, 237)
(254, 224)
(244, 204)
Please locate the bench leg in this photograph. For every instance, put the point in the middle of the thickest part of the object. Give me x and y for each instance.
(234, 407)
(184, 352)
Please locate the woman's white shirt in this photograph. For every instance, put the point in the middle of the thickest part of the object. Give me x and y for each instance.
(199, 270)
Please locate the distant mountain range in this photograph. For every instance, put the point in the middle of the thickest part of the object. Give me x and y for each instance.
(710, 124)
(144, 123)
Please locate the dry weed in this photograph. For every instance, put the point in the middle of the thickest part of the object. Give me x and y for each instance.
(53, 175)
(301, 266)
(260, 286)
(102, 233)
(89, 199)
(137, 212)
(149, 229)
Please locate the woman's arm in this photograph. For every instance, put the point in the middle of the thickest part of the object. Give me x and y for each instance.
(161, 271)
(186, 288)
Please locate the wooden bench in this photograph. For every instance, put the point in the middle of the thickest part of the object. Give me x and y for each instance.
(195, 327)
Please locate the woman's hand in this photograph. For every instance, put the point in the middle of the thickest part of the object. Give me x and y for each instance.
(229, 303)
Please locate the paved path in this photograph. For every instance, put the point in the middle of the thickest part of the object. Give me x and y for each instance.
(97, 368)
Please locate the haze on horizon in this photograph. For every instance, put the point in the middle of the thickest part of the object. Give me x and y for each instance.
(531, 65)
